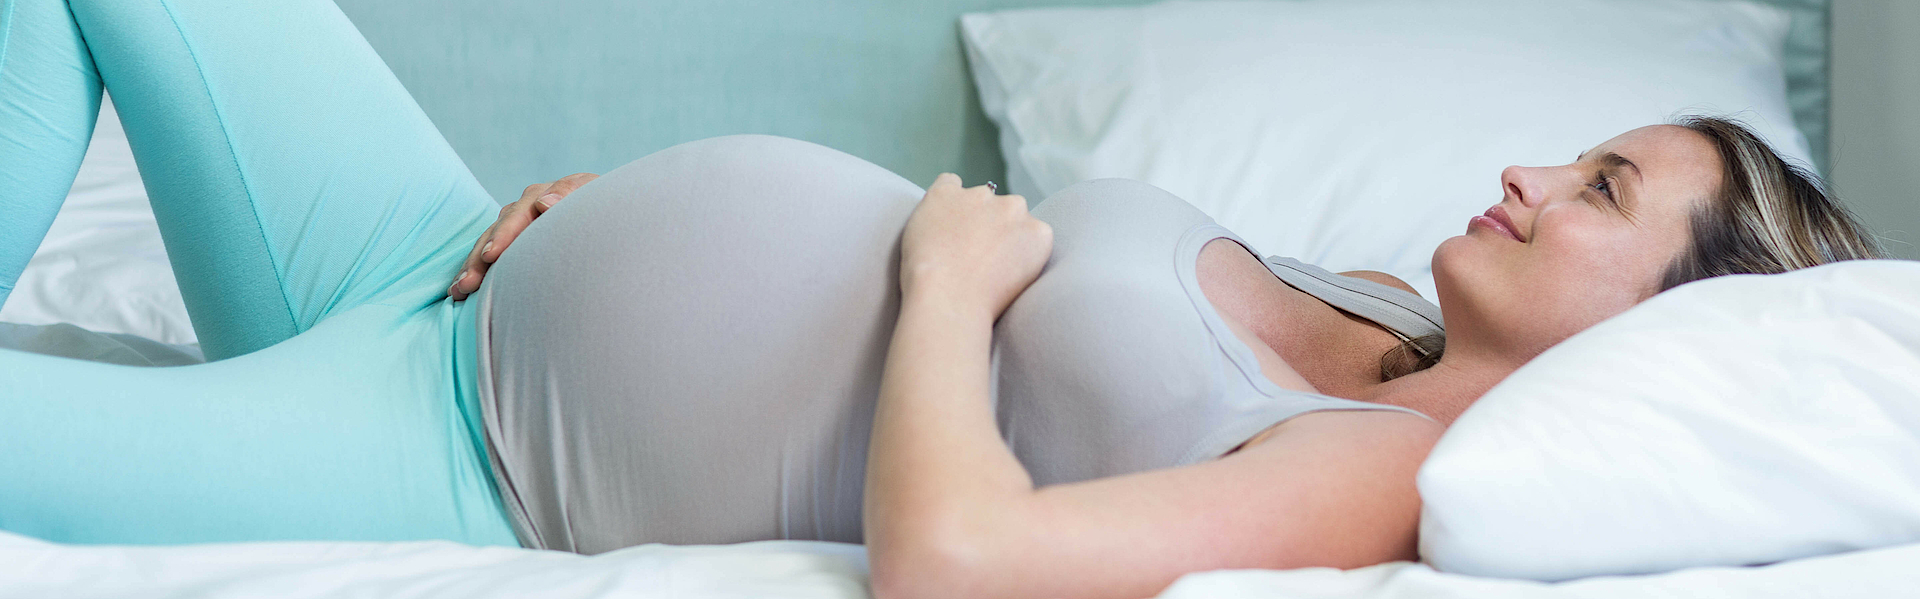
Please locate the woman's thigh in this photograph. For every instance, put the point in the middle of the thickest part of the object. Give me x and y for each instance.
(291, 174)
(688, 349)
(345, 432)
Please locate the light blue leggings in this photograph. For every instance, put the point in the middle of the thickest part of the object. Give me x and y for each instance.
(314, 218)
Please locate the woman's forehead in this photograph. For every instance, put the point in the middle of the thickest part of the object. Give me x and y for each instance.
(1669, 145)
(1670, 159)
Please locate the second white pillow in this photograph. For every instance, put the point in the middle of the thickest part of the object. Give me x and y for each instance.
(1358, 134)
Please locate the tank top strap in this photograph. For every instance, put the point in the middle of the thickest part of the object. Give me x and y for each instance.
(1407, 315)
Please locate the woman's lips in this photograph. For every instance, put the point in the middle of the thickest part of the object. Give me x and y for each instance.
(1496, 219)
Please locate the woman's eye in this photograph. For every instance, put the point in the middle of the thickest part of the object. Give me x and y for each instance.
(1605, 187)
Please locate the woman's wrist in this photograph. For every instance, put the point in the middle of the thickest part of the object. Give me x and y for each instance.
(948, 301)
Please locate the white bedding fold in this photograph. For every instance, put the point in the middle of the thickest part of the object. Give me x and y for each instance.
(801, 569)
(1871, 574)
(32, 569)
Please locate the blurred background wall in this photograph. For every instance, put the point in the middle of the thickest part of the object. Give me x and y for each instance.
(530, 90)
(1875, 144)
(859, 75)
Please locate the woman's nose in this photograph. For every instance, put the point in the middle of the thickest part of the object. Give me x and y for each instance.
(1522, 184)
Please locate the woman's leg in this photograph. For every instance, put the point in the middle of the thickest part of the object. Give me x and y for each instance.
(298, 441)
(299, 190)
(688, 349)
(49, 96)
(292, 176)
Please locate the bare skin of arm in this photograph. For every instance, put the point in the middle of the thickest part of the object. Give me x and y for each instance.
(951, 512)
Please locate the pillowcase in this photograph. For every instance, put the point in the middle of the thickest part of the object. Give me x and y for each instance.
(1739, 420)
(102, 266)
(1358, 134)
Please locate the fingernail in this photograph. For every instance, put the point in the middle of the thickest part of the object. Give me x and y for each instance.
(549, 199)
(483, 252)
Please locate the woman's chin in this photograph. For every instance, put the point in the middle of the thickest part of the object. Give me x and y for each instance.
(1452, 250)
(1456, 259)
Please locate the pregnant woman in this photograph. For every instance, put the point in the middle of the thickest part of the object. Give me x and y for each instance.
(756, 338)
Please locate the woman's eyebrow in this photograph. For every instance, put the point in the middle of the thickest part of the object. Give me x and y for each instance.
(1613, 161)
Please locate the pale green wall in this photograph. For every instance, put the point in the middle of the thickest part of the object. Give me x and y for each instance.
(530, 90)
(1876, 116)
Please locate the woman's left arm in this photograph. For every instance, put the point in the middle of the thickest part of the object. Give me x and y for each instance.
(951, 512)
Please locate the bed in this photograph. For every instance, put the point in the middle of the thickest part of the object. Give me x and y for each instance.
(914, 88)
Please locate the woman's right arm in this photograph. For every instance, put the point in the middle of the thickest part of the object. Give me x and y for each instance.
(950, 511)
(514, 218)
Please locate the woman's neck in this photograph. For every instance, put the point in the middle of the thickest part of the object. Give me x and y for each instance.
(1445, 390)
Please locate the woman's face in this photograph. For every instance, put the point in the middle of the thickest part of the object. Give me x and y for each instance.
(1586, 241)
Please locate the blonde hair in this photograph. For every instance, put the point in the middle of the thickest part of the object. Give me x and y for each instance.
(1412, 355)
(1768, 216)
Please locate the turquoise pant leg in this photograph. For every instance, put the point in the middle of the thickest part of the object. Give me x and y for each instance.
(291, 174)
(41, 142)
(294, 442)
(310, 209)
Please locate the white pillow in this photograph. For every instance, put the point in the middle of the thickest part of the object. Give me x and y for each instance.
(1739, 420)
(1357, 133)
(102, 266)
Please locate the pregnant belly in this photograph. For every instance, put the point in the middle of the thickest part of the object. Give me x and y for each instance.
(688, 349)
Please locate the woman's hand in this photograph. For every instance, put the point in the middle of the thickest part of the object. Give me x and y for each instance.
(970, 246)
(514, 218)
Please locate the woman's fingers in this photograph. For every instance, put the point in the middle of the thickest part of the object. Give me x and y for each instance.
(509, 226)
(530, 207)
(945, 180)
(468, 268)
(534, 200)
(560, 189)
(474, 268)
(948, 188)
(971, 246)
(526, 195)
(567, 184)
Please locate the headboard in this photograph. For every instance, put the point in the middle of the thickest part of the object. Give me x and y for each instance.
(529, 91)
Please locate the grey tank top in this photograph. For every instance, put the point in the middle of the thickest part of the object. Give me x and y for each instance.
(671, 357)
(1114, 362)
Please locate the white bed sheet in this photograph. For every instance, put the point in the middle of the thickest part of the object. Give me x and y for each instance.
(1878, 573)
(103, 266)
(36, 569)
(799, 569)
